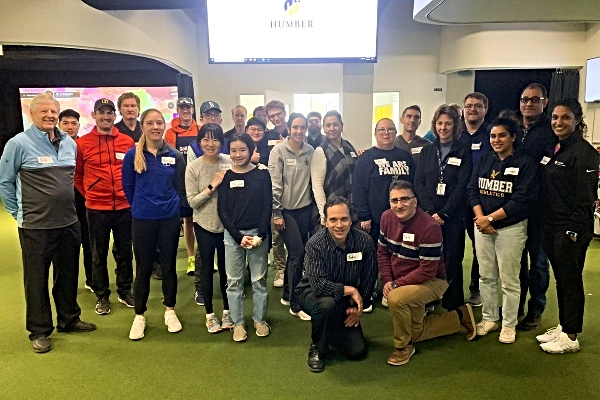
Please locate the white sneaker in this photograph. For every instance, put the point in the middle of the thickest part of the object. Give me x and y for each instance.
(508, 334)
(226, 321)
(137, 328)
(551, 335)
(485, 327)
(212, 323)
(301, 314)
(384, 301)
(368, 310)
(172, 322)
(278, 281)
(284, 302)
(562, 344)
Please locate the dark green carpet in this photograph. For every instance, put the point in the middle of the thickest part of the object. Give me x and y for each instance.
(195, 364)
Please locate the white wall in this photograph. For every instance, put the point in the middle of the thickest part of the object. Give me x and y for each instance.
(71, 23)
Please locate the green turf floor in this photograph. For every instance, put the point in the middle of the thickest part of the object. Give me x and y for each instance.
(194, 364)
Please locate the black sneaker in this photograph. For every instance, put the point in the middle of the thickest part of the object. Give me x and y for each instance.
(103, 306)
(157, 271)
(530, 322)
(315, 361)
(126, 299)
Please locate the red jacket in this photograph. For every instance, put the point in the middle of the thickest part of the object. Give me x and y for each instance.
(98, 169)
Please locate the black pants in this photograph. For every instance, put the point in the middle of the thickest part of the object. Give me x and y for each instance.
(39, 248)
(474, 285)
(100, 224)
(328, 328)
(535, 277)
(85, 237)
(208, 243)
(567, 259)
(453, 233)
(149, 234)
(295, 236)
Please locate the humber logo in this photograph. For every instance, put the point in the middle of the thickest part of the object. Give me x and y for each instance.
(291, 6)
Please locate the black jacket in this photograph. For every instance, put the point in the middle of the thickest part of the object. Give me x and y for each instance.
(510, 184)
(456, 177)
(570, 185)
(535, 140)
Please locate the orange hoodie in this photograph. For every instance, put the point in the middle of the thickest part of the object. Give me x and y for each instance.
(98, 169)
(176, 130)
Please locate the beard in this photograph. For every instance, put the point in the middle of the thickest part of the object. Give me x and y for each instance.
(313, 130)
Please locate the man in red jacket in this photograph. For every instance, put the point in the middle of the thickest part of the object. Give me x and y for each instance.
(413, 274)
(100, 154)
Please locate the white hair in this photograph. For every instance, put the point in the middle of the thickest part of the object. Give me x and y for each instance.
(43, 98)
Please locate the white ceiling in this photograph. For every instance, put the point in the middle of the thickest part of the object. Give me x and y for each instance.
(452, 12)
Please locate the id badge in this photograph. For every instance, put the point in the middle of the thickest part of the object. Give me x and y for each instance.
(441, 189)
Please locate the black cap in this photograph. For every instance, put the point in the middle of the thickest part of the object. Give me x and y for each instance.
(104, 102)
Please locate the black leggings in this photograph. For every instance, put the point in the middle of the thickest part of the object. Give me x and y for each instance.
(208, 242)
(148, 235)
(295, 236)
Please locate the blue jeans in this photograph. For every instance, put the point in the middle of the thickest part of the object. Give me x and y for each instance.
(235, 263)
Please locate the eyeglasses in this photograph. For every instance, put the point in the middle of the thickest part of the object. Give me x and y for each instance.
(313, 121)
(211, 115)
(276, 115)
(534, 100)
(477, 106)
(402, 200)
(254, 129)
(383, 131)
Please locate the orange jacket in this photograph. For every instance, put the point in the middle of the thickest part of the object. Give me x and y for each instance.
(98, 169)
(171, 135)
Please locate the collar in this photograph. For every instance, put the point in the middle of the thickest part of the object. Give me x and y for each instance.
(58, 134)
(163, 150)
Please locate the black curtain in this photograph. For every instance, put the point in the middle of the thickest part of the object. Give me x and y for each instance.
(565, 85)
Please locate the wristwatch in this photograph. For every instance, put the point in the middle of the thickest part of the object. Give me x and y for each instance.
(490, 219)
(210, 187)
(394, 286)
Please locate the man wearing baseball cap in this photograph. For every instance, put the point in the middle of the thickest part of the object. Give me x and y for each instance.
(98, 177)
(183, 132)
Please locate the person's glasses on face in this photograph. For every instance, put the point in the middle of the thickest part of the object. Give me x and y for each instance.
(212, 115)
(402, 200)
(313, 121)
(534, 99)
(276, 115)
(254, 129)
(477, 106)
(383, 131)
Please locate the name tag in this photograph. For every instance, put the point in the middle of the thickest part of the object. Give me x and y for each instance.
(272, 142)
(441, 189)
(408, 237)
(454, 161)
(352, 154)
(511, 171)
(290, 161)
(545, 160)
(45, 160)
(476, 146)
(224, 167)
(354, 256)
(120, 156)
(236, 184)
(416, 150)
(168, 161)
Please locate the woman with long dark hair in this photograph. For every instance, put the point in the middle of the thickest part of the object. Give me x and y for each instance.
(502, 188)
(202, 178)
(569, 190)
(289, 166)
(244, 207)
(153, 181)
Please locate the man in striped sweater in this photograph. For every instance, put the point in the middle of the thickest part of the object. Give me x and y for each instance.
(413, 274)
(339, 275)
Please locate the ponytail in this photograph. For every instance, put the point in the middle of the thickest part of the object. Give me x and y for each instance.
(139, 162)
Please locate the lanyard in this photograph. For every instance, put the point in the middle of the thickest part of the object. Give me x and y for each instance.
(442, 163)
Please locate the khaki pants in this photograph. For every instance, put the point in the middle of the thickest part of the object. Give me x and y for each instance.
(407, 307)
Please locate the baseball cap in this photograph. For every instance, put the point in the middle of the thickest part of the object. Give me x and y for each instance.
(209, 105)
(104, 102)
(185, 101)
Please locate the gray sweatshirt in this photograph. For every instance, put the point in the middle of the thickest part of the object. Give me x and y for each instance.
(198, 175)
(290, 177)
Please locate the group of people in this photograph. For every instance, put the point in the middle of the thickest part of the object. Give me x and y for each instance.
(521, 186)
